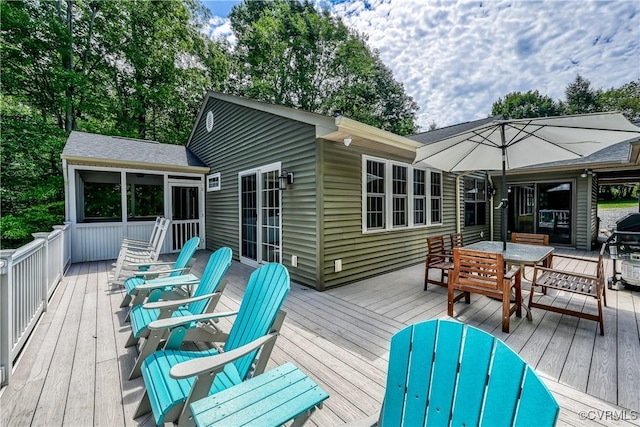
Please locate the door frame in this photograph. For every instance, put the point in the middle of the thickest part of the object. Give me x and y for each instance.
(277, 166)
(199, 184)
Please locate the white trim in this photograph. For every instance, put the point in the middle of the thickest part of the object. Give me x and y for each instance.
(213, 176)
(209, 121)
(201, 208)
(388, 196)
(123, 197)
(277, 166)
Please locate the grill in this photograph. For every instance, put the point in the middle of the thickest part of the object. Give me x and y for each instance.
(624, 246)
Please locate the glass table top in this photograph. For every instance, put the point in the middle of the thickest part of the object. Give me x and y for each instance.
(515, 253)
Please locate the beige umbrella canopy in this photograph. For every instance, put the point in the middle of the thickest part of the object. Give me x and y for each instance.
(510, 144)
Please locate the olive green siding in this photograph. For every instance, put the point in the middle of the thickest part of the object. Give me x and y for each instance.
(366, 254)
(582, 218)
(243, 138)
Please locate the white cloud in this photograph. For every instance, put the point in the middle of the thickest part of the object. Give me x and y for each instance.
(456, 58)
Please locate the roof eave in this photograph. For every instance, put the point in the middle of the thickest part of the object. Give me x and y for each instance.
(363, 135)
(134, 165)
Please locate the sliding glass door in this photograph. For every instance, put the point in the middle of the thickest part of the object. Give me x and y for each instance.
(260, 219)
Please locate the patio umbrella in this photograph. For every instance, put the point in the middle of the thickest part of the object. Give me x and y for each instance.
(510, 144)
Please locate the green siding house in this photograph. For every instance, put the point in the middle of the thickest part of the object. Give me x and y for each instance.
(332, 199)
(354, 204)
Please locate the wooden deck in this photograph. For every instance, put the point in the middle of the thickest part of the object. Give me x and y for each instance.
(73, 372)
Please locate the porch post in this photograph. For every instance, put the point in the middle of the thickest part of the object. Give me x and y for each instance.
(45, 267)
(6, 315)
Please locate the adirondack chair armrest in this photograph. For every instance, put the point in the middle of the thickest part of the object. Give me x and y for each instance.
(152, 286)
(151, 264)
(134, 243)
(515, 270)
(174, 322)
(157, 272)
(216, 363)
(129, 240)
(134, 248)
(159, 305)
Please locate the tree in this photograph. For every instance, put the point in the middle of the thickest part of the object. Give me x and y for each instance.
(134, 68)
(517, 105)
(290, 53)
(581, 98)
(31, 190)
(625, 99)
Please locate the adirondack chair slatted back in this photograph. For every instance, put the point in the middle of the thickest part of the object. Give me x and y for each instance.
(154, 232)
(214, 271)
(160, 236)
(446, 373)
(480, 270)
(266, 291)
(185, 255)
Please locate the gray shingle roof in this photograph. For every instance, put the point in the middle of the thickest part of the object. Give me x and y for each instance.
(120, 149)
(615, 153)
(441, 133)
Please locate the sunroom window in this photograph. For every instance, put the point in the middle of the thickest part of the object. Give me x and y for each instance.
(411, 197)
(145, 196)
(99, 196)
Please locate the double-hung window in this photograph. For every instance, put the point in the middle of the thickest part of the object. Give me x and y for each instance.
(475, 204)
(375, 184)
(419, 197)
(398, 196)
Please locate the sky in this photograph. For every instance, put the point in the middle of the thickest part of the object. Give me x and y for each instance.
(455, 59)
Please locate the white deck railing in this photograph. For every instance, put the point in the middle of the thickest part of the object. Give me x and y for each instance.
(28, 277)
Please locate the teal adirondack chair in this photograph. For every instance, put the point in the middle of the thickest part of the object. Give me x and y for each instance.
(140, 287)
(246, 351)
(204, 300)
(443, 372)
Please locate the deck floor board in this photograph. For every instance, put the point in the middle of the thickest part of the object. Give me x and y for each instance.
(74, 370)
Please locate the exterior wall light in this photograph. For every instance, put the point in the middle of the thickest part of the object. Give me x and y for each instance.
(285, 178)
(347, 141)
(585, 173)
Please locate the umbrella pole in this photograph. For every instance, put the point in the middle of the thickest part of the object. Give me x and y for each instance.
(505, 199)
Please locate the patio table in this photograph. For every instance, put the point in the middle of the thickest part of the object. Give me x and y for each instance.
(516, 253)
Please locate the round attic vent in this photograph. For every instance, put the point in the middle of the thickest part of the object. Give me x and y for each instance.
(209, 121)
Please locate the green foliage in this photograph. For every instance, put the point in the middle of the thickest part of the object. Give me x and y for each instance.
(16, 230)
(290, 53)
(139, 68)
(581, 98)
(618, 192)
(517, 105)
(31, 190)
(625, 99)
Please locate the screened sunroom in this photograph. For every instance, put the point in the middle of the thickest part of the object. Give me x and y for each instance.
(117, 187)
